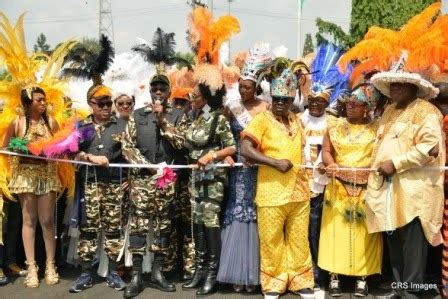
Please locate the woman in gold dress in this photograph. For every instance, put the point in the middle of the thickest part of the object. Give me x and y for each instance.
(36, 183)
(345, 246)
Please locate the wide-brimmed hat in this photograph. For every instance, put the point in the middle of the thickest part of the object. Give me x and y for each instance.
(383, 80)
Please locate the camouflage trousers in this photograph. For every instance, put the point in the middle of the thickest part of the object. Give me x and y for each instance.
(181, 243)
(208, 196)
(146, 201)
(104, 212)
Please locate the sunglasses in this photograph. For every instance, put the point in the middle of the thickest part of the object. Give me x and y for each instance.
(101, 105)
(128, 103)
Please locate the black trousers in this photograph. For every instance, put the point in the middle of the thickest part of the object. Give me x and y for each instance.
(12, 224)
(408, 251)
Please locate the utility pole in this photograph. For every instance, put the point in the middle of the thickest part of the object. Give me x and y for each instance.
(106, 24)
(299, 28)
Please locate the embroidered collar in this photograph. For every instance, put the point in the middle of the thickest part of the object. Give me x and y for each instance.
(294, 126)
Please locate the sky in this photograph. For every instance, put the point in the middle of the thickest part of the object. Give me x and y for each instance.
(275, 22)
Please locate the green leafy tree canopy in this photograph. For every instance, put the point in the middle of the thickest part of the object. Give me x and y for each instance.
(308, 47)
(366, 13)
(41, 44)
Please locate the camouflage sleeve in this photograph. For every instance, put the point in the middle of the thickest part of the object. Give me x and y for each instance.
(128, 145)
(224, 132)
(175, 134)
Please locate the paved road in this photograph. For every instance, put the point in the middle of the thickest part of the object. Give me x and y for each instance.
(15, 289)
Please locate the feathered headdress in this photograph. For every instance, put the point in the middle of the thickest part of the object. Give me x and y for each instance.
(26, 73)
(259, 57)
(182, 83)
(327, 81)
(424, 38)
(206, 37)
(162, 54)
(88, 64)
(285, 76)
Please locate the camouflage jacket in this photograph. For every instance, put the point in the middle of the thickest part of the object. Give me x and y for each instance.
(198, 134)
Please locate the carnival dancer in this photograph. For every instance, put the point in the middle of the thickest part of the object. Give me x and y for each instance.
(29, 126)
(239, 264)
(346, 247)
(275, 140)
(156, 131)
(210, 140)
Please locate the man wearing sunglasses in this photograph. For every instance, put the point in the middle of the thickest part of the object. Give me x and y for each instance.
(157, 131)
(99, 204)
(274, 140)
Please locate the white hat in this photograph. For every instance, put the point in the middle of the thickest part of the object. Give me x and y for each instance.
(382, 82)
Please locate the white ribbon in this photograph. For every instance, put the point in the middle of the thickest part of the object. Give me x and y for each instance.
(191, 166)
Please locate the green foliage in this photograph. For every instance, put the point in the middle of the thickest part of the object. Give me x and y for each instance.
(308, 46)
(41, 44)
(390, 14)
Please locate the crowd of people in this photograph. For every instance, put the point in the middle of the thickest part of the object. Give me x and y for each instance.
(288, 190)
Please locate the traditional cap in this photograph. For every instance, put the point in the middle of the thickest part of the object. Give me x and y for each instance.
(366, 93)
(259, 57)
(285, 85)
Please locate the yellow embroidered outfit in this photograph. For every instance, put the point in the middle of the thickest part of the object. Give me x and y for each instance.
(282, 205)
(345, 245)
(38, 177)
(407, 136)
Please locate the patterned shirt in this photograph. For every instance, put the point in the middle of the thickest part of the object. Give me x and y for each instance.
(274, 140)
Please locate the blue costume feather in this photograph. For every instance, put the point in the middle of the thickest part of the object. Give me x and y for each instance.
(326, 76)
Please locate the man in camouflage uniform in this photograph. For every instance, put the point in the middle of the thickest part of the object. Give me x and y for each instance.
(99, 193)
(157, 133)
(181, 251)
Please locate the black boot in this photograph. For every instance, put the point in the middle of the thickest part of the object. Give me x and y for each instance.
(199, 247)
(158, 280)
(135, 287)
(213, 237)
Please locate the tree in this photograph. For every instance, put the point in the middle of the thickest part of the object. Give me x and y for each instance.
(366, 13)
(41, 44)
(308, 47)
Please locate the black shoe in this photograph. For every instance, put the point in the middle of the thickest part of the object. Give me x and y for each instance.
(199, 272)
(187, 276)
(334, 290)
(361, 289)
(83, 282)
(134, 287)
(213, 237)
(158, 280)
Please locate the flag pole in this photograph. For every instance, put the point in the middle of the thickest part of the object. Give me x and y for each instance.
(299, 28)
